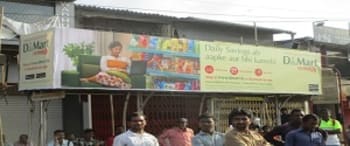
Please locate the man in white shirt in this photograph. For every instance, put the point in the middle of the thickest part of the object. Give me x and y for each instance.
(136, 135)
(59, 139)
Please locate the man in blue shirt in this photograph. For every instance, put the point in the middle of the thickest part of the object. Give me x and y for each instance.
(208, 136)
(295, 121)
(308, 134)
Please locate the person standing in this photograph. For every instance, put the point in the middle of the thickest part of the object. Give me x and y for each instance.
(208, 136)
(118, 130)
(23, 141)
(294, 122)
(240, 135)
(136, 135)
(5, 143)
(307, 135)
(72, 139)
(177, 136)
(284, 115)
(59, 139)
(332, 127)
(89, 139)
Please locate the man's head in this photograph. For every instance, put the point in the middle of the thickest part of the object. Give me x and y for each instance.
(137, 122)
(23, 138)
(59, 135)
(240, 118)
(182, 123)
(71, 137)
(310, 122)
(116, 48)
(325, 114)
(119, 129)
(266, 128)
(89, 134)
(296, 116)
(206, 123)
(284, 111)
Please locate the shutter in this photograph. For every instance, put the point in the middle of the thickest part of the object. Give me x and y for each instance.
(17, 118)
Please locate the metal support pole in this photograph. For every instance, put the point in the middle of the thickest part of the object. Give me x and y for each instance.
(46, 104)
(340, 97)
(278, 113)
(146, 100)
(265, 108)
(285, 101)
(89, 111)
(212, 106)
(112, 113)
(41, 127)
(31, 115)
(201, 105)
(256, 34)
(125, 109)
(1, 132)
(139, 102)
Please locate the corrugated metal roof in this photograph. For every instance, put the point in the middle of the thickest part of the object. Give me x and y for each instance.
(207, 21)
(174, 19)
(123, 11)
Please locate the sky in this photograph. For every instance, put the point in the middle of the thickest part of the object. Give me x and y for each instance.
(292, 15)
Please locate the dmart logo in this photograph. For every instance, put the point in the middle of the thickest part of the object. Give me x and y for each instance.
(35, 45)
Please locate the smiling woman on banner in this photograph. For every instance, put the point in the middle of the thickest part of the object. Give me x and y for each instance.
(114, 69)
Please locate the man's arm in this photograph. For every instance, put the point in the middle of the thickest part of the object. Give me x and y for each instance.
(290, 140)
(156, 143)
(162, 138)
(196, 141)
(70, 143)
(270, 136)
(337, 128)
(103, 63)
(233, 141)
(337, 131)
(118, 141)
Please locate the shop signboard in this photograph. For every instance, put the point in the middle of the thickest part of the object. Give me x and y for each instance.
(37, 61)
(250, 69)
(86, 59)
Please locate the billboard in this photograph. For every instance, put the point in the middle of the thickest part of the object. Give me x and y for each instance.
(245, 68)
(86, 59)
(331, 35)
(37, 61)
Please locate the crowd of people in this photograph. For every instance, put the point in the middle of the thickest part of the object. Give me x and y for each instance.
(298, 130)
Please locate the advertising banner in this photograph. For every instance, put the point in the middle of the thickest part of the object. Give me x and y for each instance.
(231, 67)
(85, 59)
(36, 61)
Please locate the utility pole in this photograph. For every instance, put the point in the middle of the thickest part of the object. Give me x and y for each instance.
(256, 34)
